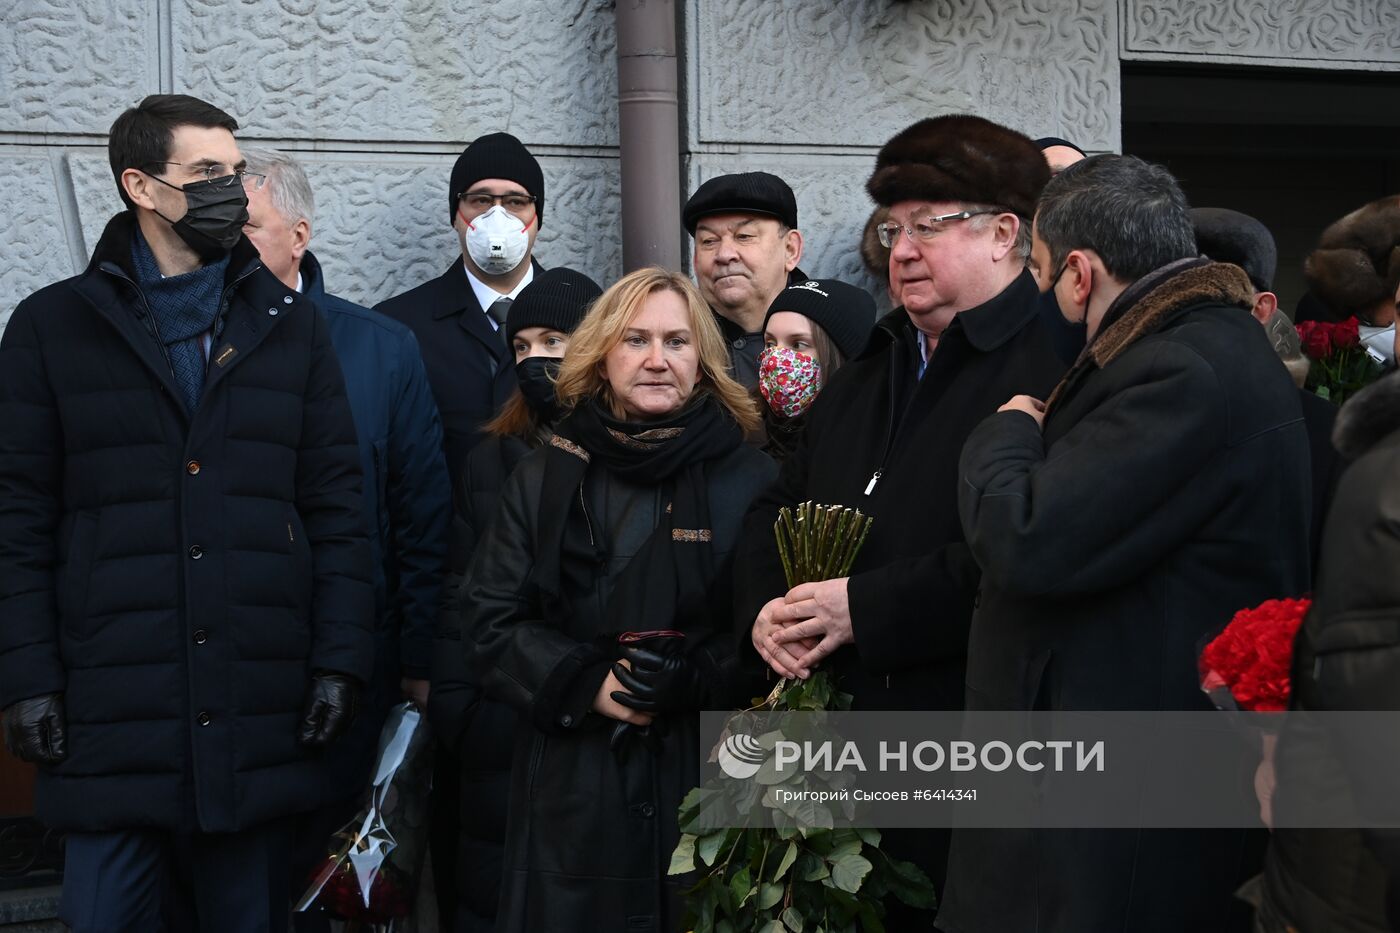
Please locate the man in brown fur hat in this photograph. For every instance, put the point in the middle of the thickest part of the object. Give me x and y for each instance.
(1355, 271)
(885, 433)
(1164, 486)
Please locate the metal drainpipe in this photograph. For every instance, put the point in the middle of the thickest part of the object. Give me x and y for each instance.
(649, 130)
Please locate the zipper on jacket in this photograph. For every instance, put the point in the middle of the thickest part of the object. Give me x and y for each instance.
(583, 506)
(147, 317)
(889, 435)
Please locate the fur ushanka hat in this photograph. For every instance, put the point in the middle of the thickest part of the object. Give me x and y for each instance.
(1356, 265)
(960, 158)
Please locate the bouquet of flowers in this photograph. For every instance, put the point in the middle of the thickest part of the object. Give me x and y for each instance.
(370, 876)
(788, 868)
(1341, 366)
(1246, 666)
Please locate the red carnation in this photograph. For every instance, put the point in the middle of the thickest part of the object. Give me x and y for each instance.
(1347, 334)
(1251, 657)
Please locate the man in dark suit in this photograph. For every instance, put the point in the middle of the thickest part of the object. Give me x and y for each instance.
(495, 202)
(496, 205)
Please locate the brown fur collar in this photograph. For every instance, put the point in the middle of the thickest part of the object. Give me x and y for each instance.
(1216, 282)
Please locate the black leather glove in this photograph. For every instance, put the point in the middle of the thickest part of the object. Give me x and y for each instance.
(659, 683)
(330, 707)
(36, 729)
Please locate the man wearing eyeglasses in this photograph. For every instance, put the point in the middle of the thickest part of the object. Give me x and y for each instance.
(884, 435)
(495, 204)
(184, 576)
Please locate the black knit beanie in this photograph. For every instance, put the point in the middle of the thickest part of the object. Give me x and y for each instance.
(845, 312)
(496, 155)
(556, 298)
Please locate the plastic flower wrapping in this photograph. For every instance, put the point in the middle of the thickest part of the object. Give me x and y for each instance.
(370, 875)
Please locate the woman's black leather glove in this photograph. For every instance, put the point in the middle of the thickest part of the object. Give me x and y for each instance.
(659, 683)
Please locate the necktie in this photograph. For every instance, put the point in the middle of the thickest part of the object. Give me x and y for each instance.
(498, 310)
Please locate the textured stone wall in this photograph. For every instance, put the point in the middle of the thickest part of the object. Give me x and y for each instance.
(378, 96)
(810, 91)
(1346, 34)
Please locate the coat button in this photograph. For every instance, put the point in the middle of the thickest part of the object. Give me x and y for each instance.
(739, 343)
(286, 299)
(192, 468)
(272, 311)
(196, 552)
(200, 637)
(648, 810)
(566, 721)
(203, 718)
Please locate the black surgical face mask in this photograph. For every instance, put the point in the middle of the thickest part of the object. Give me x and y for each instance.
(536, 375)
(215, 213)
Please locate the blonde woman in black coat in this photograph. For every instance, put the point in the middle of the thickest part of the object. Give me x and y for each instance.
(597, 606)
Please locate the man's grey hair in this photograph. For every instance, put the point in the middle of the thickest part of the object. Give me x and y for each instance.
(1023, 228)
(1130, 212)
(286, 182)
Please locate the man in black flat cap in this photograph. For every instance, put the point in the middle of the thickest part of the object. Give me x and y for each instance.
(1230, 236)
(1059, 153)
(747, 247)
(495, 203)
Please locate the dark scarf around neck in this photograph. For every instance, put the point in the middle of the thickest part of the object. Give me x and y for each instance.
(665, 584)
(184, 308)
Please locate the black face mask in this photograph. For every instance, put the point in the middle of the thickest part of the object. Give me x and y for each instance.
(536, 375)
(215, 213)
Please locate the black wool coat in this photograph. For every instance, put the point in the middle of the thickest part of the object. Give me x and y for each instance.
(178, 578)
(471, 371)
(480, 732)
(1169, 489)
(591, 830)
(912, 586)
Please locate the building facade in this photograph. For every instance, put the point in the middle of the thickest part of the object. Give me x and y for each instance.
(378, 97)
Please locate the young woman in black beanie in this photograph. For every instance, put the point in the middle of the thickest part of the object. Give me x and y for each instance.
(810, 330)
(480, 731)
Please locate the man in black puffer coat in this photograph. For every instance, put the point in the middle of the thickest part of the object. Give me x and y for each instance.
(185, 605)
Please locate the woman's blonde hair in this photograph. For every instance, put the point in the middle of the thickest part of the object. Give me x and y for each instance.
(581, 378)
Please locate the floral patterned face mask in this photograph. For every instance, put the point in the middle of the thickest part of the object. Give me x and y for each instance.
(788, 380)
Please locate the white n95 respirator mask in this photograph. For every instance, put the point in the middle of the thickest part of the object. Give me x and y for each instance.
(497, 241)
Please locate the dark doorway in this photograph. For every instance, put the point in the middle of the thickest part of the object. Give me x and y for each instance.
(1295, 149)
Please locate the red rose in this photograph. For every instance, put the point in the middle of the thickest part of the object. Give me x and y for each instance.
(1347, 334)
(1316, 338)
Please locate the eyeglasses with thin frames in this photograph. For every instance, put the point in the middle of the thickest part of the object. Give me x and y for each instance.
(251, 181)
(923, 230)
(479, 202)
